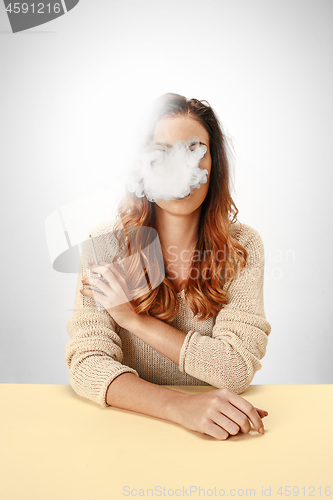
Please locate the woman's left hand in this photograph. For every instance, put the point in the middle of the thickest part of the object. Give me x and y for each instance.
(115, 295)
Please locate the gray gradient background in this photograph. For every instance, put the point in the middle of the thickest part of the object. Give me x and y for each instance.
(70, 94)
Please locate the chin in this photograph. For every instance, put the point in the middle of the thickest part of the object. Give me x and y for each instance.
(189, 204)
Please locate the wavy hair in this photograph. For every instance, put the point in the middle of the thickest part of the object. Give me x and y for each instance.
(203, 288)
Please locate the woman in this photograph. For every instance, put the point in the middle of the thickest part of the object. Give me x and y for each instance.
(195, 328)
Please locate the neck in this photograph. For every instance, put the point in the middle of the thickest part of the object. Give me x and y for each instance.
(177, 230)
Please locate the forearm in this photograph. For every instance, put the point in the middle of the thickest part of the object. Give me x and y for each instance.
(130, 392)
(161, 336)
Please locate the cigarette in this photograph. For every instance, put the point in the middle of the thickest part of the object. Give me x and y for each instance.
(93, 249)
(96, 262)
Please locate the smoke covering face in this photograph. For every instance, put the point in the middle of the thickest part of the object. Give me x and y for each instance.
(164, 173)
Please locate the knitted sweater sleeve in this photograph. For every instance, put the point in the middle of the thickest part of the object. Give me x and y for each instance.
(94, 353)
(231, 356)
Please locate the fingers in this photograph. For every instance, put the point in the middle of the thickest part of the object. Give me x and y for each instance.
(248, 409)
(232, 420)
(228, 424)
(111, 274)
(215, 431)
(113, 296)
(262, 413)
(117, 277)
(98, 283)
(236, 418)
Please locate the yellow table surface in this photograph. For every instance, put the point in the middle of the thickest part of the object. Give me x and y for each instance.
(57, 445)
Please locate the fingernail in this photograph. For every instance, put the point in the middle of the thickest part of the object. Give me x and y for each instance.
(261, 430)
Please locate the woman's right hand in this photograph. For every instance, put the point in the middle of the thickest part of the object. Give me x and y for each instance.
(217, 413)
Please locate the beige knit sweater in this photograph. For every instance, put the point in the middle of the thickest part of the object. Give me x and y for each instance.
(224, 351)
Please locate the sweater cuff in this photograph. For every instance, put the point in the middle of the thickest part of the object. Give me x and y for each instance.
(183, 351)
(107, 382)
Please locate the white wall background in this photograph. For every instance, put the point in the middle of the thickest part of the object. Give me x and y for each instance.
(71, 94)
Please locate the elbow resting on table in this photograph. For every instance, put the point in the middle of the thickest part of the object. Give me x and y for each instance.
(237, 382)
(92, 375)
(222, 363)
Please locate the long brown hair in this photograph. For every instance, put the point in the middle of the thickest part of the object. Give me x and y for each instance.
(204, 293)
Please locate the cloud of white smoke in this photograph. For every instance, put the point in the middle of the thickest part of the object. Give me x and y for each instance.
(164, 173)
